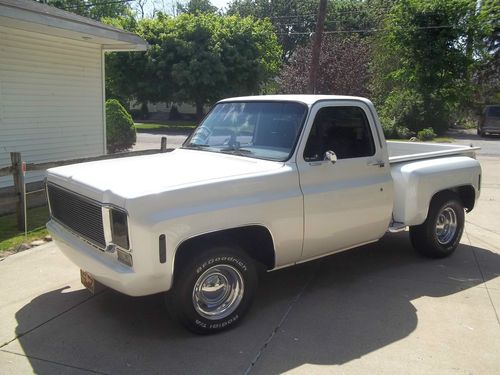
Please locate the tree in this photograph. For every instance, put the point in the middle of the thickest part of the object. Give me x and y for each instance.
(197, 6)
(132, 75)
(424, 61)
(294, 21)
(486, 78)
(95, 9)
(343, 67)
(196, 59)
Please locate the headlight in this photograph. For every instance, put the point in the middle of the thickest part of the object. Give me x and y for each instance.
(119, 228)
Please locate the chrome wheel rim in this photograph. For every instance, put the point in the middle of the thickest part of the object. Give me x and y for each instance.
(446, 225)
(218, 292)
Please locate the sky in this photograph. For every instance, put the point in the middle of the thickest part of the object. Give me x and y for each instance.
(220, 3)
(167, 5)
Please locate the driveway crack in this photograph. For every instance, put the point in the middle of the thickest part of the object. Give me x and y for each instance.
(54, 362)
(282, 320)
(51, 319)
(482, 276)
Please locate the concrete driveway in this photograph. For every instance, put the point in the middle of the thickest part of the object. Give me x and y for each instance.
(376, 309)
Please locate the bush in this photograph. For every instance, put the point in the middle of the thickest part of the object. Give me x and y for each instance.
(120, 130)
(174, 114)
(391, 130)
(388, 126)
(411, 110)
(426, 134)
(141, 113)
(402, 132)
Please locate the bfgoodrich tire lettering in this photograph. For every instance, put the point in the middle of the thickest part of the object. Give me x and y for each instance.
(213, 292)
(439, 235)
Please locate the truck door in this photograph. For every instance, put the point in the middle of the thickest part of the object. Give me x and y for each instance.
(347, 202)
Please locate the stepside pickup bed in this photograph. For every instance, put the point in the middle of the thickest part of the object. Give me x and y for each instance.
(263, 182)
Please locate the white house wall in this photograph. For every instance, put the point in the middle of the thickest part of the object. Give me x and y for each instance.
(50, 98)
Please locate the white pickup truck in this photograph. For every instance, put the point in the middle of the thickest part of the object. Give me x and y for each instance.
(264, 182)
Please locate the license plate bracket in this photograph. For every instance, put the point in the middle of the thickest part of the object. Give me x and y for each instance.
(88, 281)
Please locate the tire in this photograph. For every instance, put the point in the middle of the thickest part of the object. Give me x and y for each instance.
(439, 235)
(199, 310)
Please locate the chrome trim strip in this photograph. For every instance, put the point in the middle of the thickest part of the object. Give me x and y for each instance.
(106, 224)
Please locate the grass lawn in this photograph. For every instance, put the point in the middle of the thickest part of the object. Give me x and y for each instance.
(174, 126)
(11, 237)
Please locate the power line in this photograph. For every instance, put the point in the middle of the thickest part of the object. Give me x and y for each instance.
(331, 12)
(362, 31)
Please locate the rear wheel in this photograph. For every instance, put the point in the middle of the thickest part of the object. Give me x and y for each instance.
(212, 292)
(439, 235)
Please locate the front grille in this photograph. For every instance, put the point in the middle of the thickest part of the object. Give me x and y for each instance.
(78, 213)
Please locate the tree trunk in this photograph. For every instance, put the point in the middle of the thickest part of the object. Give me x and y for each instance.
(199, 110)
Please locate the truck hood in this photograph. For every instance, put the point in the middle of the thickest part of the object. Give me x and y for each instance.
(133, 177)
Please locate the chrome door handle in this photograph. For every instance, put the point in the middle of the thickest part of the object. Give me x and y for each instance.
(377, 163)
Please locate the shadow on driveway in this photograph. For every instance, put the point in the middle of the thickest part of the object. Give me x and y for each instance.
(325, 312)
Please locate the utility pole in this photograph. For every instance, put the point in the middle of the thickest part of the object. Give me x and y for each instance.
(318, 36)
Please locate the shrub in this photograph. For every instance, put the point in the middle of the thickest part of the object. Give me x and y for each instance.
(174, 114)
(141, 113)
(120, 130)
(402, 132)
(391, 130)
(426, 134)
(410, 109)
(388, 126)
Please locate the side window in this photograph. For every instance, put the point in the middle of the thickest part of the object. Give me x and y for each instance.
(343, 130)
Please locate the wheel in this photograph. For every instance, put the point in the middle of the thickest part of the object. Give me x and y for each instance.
(213, 292)
(439, 235)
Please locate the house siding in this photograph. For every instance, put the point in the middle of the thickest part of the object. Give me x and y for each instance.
(51, 99)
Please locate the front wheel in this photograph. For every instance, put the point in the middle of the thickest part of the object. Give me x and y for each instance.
(212, 292)
(439, 235)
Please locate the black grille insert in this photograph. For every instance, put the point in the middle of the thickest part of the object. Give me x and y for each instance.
(78, 213)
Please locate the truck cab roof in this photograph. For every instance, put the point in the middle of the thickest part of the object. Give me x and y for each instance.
(303, 98)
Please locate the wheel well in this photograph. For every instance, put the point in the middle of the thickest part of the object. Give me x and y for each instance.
(466, 194)
(255, 240)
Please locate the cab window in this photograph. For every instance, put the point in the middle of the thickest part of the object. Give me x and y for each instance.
(343, 130)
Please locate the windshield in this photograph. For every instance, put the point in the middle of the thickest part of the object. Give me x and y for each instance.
(264, 130)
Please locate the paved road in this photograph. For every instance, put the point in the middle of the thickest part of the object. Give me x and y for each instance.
(490, 145)
(376, 309)
(146, 141)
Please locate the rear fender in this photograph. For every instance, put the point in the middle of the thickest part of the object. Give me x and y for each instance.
(416, 183)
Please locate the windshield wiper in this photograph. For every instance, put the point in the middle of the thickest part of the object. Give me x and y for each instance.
(236, 151)
(196, 146)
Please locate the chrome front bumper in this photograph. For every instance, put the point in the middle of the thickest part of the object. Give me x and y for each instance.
(103, 266)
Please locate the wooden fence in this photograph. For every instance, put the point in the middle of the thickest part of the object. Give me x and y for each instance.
(18, 195)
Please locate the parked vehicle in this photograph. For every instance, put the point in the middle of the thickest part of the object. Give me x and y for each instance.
(489, 122)
(264, 182)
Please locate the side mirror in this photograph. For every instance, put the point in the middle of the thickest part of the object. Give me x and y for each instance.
(331, 156)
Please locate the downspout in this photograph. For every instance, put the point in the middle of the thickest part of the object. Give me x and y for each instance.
(103, 101)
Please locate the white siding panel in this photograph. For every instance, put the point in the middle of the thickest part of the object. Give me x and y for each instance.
(50, 99)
